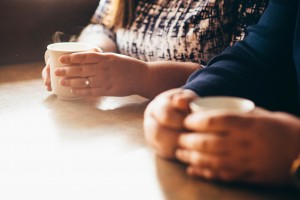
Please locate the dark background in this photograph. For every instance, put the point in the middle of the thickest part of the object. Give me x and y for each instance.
(27, 26)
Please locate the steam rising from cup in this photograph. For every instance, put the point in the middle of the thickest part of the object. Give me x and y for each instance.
(56, 36)
(59, 37)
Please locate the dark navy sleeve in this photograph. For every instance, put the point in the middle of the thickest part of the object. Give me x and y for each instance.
(260, 67)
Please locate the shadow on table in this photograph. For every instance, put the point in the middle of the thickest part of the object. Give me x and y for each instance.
(176, 185)
(93, 116)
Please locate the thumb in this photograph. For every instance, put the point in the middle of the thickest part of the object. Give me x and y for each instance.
(181, 100)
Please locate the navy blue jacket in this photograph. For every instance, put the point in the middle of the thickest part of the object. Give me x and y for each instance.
(264, 67)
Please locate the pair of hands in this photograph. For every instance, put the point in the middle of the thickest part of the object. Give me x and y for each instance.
(256, 147)
(109, 74)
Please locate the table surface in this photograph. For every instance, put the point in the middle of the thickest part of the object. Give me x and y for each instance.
(90, 149)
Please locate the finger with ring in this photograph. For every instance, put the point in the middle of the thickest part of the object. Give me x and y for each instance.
(87, 82)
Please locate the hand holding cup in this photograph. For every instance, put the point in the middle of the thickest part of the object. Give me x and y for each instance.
(52, 56)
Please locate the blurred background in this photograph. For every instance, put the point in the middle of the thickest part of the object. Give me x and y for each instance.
(27, 26)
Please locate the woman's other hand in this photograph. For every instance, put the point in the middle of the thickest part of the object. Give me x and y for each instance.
(46, 76)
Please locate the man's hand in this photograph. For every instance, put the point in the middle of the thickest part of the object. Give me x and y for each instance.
(164, 118)
(255, 147)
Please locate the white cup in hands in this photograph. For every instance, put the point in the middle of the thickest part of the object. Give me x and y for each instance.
(222, 103)
(54, 51)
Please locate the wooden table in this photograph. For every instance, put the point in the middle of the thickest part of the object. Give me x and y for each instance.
(89, 149)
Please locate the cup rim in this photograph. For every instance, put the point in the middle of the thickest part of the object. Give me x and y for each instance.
(88, 46)
(242, 105)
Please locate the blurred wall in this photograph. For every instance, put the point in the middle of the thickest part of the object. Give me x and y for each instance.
(27, 25)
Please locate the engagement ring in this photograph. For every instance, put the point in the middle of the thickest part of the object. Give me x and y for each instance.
(87, 82)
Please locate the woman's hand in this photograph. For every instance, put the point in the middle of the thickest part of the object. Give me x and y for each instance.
(256, 147)
(46, 71)
(108, 74)
(163, 120)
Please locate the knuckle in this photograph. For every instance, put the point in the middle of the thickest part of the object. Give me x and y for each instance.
(164, 116)
(220, 163)
(209, 174)
(196, 160)
(83, 70)
(202, 144)
(94, 54)
(82, 57)
(96, 49)
(67, 58)
(82, 83)
(211, 121)
(238, 120)
(111, 56)
(78, 70)
(68, 71)
(227, 119)
(226, 176)
(218, 144)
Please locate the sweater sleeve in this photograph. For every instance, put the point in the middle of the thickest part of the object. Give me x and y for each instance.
(99, 21)
(260, 67)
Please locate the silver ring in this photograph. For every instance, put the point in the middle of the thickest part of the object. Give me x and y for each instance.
(87, 82)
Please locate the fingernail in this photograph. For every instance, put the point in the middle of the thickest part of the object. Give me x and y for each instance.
(193, 173)
(56, 72)
(62, 82)
(62, 59)
(60, 72)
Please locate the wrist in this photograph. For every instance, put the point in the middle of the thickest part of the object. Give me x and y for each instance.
(147, 84)
(164, 75)
(139, 86)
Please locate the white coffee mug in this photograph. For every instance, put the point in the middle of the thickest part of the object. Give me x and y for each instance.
(54, 51)
(222, 103)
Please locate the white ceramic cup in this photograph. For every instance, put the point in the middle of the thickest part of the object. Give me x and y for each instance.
(222, 103)
(54, 51)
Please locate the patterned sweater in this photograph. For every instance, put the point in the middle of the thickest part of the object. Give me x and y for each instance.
(179, 30)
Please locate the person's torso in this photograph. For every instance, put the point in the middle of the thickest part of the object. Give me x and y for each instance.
(186, 30)
(177, 30)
